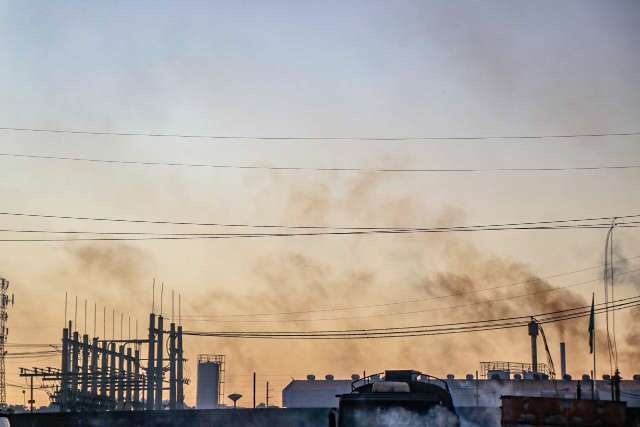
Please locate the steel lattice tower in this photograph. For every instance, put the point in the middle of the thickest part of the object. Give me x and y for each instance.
(4, 331)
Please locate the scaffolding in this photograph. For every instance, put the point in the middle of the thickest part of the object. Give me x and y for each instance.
(512, 368)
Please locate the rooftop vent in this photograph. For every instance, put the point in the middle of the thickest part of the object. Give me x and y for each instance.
(355, 377)
(469, 377)
(328, 377)
(450, 377)
(636, 377)
(311, 377)
(585, 377)
(567, 377)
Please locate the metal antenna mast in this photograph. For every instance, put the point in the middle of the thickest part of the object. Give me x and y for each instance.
(4, 331)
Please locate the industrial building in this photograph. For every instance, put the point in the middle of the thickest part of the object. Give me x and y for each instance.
(315, 393)
(468, 391)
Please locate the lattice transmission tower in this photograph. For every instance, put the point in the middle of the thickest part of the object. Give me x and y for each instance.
(5, 301)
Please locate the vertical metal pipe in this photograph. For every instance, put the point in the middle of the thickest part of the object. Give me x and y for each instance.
(137, 380)
(75, 349)
(179, 373)
(172, 366)
(129, 379)
(533, 332)
(151, 362)
(112, 372)
(159, 363)
(94, 366)
(64, 385)
(254, 390)
(121, 377)
(85, 364)
(563, 360)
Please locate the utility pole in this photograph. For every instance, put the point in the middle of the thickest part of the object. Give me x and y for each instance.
(267, 398)
(254, 390)
(31, 400)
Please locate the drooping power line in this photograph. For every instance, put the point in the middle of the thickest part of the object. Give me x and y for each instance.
(186, 136)
(319, 169)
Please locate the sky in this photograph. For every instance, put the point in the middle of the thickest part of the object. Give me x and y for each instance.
(329, 69)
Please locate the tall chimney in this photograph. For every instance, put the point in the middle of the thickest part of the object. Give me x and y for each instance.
(563, 360)
(533, 331)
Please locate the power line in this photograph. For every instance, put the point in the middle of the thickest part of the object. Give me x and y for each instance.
(321, 227)
(206, 236)
(218, 224)
(424, 310)
(566, 136)
(473, 326)
(319, 169)
(410, 301)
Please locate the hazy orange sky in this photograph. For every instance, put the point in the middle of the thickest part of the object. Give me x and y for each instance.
(454, 68)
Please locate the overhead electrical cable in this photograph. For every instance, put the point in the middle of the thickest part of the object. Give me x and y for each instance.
(629, 300)
(418, 311)
(319, 169)
(186, 136)
(321, 227)
(373, 231)
(390, 314)
(306, 234)
(506, 323)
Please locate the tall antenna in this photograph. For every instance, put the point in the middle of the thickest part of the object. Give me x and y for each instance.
(85, 316)
(4, 331)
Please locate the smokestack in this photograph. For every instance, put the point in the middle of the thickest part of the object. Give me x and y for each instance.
(533, 332)
(563, 360)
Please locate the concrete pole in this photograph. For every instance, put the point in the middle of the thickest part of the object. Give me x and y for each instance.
(121, 377)
(151, 362)
(104, 370)
(85, 364)
(159, 363)
(64, 386)
(172, 367)
(113, 371)
(179, 373)
(75, 344)
(129, 380)
(94, 366)
(137, 380)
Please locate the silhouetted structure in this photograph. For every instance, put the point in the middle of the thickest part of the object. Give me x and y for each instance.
(107, 374)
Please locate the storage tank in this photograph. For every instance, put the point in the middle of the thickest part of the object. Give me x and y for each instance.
(210, 380)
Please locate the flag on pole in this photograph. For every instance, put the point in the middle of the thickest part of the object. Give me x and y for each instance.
(592, 325)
